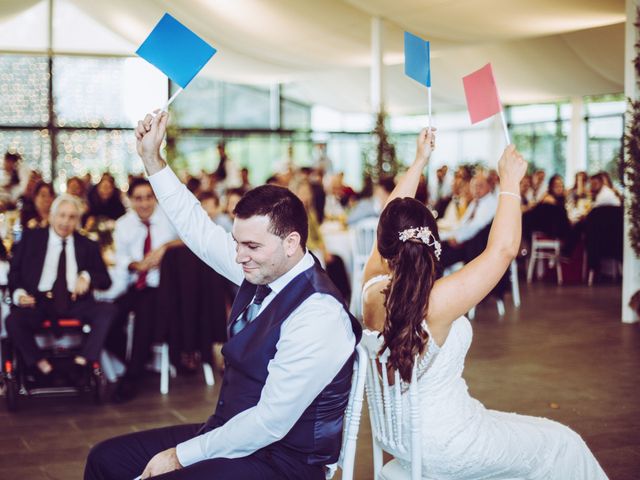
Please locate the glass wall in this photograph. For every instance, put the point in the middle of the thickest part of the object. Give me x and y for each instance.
(85, 124)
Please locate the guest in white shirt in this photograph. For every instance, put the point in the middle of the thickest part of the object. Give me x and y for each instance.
(277, 415)
(603, 195)
(141, 237)
(478, 215)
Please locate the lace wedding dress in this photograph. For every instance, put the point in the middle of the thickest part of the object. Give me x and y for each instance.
(463, 440)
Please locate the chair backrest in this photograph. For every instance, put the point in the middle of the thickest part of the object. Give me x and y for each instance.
(352, 418)
(363, 234)
(542, 241)
(388, 418)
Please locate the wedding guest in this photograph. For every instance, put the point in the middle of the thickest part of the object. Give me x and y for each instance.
(104, 201)
(602, 194)
(35, 214)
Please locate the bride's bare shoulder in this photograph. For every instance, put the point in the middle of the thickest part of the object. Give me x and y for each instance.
(373, 313)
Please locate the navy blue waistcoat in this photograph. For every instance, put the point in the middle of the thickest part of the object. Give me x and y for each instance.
(316, 437)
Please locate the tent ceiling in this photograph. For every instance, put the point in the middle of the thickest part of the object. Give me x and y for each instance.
(540, 50)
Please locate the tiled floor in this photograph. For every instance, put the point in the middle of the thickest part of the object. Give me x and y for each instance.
(564, 348)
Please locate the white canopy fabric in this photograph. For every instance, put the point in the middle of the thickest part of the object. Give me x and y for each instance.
(540, 50)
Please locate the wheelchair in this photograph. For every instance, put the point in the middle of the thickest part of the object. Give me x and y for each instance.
(58, 349)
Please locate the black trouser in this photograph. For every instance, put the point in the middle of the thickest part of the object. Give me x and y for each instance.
(143, 304)
(22, 323)
(125, 457)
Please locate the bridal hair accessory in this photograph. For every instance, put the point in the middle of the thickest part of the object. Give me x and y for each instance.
(424, 235)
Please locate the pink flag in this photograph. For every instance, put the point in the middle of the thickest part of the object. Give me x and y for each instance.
(482, 94)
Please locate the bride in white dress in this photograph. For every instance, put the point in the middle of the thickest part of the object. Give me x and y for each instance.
(421, 315)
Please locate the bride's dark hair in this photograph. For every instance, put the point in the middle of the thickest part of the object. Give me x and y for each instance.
(413, 271)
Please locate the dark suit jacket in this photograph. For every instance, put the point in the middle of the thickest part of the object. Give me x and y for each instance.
(27, 262)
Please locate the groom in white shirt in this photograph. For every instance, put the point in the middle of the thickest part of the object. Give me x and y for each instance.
(288, 362)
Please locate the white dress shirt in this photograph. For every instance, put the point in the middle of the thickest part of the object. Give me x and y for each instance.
(315, 342)
(478, 215)
(50, 267)
(129, 236)
(606, 198)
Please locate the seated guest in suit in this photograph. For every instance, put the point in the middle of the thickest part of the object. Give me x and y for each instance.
(478, 215)
(53, 271)
(141, 237)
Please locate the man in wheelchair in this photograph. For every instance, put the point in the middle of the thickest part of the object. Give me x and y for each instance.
(52, 274)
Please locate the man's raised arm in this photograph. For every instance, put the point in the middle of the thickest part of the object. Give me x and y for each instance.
(207, 240)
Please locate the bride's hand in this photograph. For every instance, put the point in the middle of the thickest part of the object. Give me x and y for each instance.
(511, 168)
(426, 144)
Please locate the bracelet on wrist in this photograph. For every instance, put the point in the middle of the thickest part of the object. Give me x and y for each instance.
(511, 194)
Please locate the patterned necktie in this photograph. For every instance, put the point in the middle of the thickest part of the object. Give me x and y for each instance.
(60, 290)
(142, 276)
(251, 311)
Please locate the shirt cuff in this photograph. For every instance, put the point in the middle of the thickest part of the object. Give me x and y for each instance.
(164, 182)
(189, 452)
(18, 292)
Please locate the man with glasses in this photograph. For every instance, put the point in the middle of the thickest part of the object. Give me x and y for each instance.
(142, 236)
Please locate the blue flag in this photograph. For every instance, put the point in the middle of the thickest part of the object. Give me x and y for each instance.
(178, 52)
(416, 59)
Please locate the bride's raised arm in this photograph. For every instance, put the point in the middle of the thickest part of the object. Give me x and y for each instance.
(456, 294)
(406, 187)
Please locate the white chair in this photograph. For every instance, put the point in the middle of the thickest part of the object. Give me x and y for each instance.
(515, 293)
(363, 236)
(544, 248)
(387, 417)
(515, 289)
(160, 362)
(352, 419)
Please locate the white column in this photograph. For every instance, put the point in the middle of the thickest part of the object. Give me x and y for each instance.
(377, 63)
(275, 113)
(631, 263)
(576, 158)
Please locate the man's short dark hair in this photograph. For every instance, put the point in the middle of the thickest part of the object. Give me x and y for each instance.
(135, 183)
(208, 195)
(285, 211)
